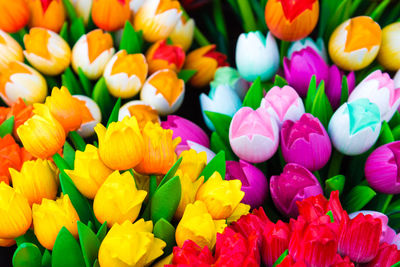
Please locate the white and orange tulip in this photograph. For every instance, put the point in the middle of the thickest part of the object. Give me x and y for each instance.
(142, 112)
(10, 50)
(91, 115)
(83, 8)
(183, 33)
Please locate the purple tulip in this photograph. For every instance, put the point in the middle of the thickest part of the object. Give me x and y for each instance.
(302, 66)
(333, 87)
(187, 131)
(254, 182)
(305, 142)
(382, 168)
(294, 184)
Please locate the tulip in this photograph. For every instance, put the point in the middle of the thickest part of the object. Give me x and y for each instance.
(121, 145)
(216, 102)
(388, 255)
(199, 148)
(230, 77)
(342, 262)
(257, 56)
(253, 135)
(381, 168)
(187, 131)
(275, 240)
(141, 111)
(15, 15)
(355, 127)
(355, 43)
(50, 216)
(117, 200)
(135, 5)
(128, 244)
(389, 53)
(48, 14)
(10, 50)
(15, 213)
(83, 9)
(241, 210)
(157, 19)
(302, 66)
(89, 171)
(192, 255)
(91, 115)
(165, 56)
(333, 86)
(42, 135)
(183, 33)
(164, 91)
(289, 262)
(283, 104)
(21, 81)
(294, 184)
(205, 61)
(92, 52)
(189, 188)
(192, 163)
(125, 74)
(198, 225)
(159, 150)
(379, 88)
(254, 182)
(291, 20)
(318, 46)
(21, 112)
(110, 15)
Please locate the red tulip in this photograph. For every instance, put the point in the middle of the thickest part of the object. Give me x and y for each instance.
(289, 262)
(275, 240)
(387, 256)
(342, 262)
(192, 255)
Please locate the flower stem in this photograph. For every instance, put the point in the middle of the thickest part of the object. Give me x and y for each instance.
(386, 203)
(247, 15)
(200, 38)
(336, 161)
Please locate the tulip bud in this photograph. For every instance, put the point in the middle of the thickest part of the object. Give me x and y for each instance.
(141, 111)
(216, 102)
(110, 15)
(253, 135)
(189, 188)
(50, 216)
(192, 163)
(291, 20)
(130, 245)
(83, 9)
(92, 52)
(121, 145)
(283, 104)
(389, 53)
(159, 150)
(275, 240)
(118, 200)
(91, 115)
(157, 19)
(230, 77)
(257, 56)
(388, 255)
(318, 46)
(355, 127)
(18, 80)
(15, 213)
(355, 43)
(164, 91)
(48, 14)
(333, 86)
(10, 50)
(199, 148)
(42, 135)
(165, 56)
(254, 182)
(15, 15)
(125, 74)
(183, 33)
(294, 184)
(205, 61)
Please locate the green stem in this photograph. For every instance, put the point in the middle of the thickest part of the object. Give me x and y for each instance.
(77, 140)
(219, 18)
(336, 162)
(200, 38)
(247, 15)
(387, 202)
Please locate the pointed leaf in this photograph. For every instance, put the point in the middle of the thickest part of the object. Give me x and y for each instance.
(46, 259)
(279, 81)
(185, 75)
(69, 154)
(312, 90)
(90, 244)
(358, 197)
(77, 140)
(254, 95)
(86, 84)
(27, 254)
(69, 80)
(7, 127)
(96, 263)
(327, 10)
(345, 91)
(131, 40)
(218, 144)
(70, 10)
(166, 200)
(165, 231)
(385, 136)
(61, 163)
(281, 257)
(221, 123)
(102, 97)
(171, 172)
(102, 232)
(77, 29)
(64, 32)
(321, 107)
(377, 13)
(334, 183)
(114, 113)
(395, 120)
(216, 164)
(66, 251)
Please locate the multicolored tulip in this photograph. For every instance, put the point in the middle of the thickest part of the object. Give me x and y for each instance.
(294, 184)
(10, 50)
(318, 46)
(92, 52)
(257, 56)
(50, 216)
(15, 15)
(83, 9)
(230, 77)
(355, 126)
(355, 43)
(333, 86)
(48, 14)
(157, 19)
(183, 33)
(205, 61)
(18, 80)
(291, 20)
(143, 112)
(275, 240)
(110, 15)
(199, 148)
(165, 56)
(164, 91)
(91, 115)
(253, 134)
(389, 53)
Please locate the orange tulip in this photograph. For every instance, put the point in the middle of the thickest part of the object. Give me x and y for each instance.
(49, 14)
(14, 15)
(164, 56)
(110, 15)
(21, 112)
(291, 20)
(3, 114)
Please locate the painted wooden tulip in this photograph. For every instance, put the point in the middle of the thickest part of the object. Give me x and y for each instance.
(91, 115)
(230, 77)
(110, 15)
(333, 86)
(10, 50)
(49, 14)
(318, 46)
(389, 54)
(141, 111)
(15, 15)
(183, 33)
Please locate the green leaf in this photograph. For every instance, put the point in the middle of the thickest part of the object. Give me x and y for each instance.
(69, 80)
(171, 172)
(312, 90)
(358, 197)
(395, 120)
(46, 259)
(396, 264)
(61, 163)
(281, 257)
(385, 136)
(185, 75)
(217, 164)
(344, 95)
(114, 113)
(254, 95)
(377, 13)
(7, 127)
(70, 9)
(131, 40)
(342, 13)
(102, 97)
(284, 47)
(166, 200)
(327, 9)
(218, 144)
(69, 154)
(64, 31)
(152, 185)
(335, 183)
(321, 107)
(66, 251)
(330, 214)
(96, 263)
(165, 231)
(27, 254)
(29, 237)
(221, 123)
(77, 140)
(102, 232)
(86, 84)
(279, 81)
(77, 29)
(90, 244)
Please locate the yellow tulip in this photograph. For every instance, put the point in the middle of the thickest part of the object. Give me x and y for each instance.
(193, 163)
(15, 213)
(118, 199)
(42, 135)
(141, 111)
(130, 245)
(241, 209)
(50, 216)
(183, 33)
(37, 180)
(189, 189)
(49, 14)
(89, 172)
(164, 261)
(47, 51)
(198, 225)
(220, 196)
(389, 54)
(121, 145)
(10, 50)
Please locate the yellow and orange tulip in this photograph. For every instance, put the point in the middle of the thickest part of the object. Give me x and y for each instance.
(389, 54)
(10, 50)
(164, 56)
(48, 14)
(141, 111)
(14, 15)
(110, 15)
